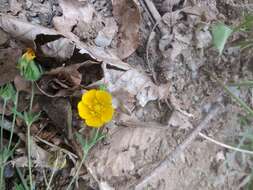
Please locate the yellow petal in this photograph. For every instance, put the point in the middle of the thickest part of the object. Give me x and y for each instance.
(88, 97)
(29, 54)
(107, 114)
(83, 111)
(104, 97)
(94, 122)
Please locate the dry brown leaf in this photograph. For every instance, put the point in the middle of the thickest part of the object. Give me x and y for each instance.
(23, 85)
(73, 12)
(106, 35)
(15, 6)
(62, 81)
(179, 120)
(32, 33)
(3, 37)
(60, 112)
(127, 14)
(137, 84)
(39, 155)
(130, 152)
(8, 63)
(61, 49)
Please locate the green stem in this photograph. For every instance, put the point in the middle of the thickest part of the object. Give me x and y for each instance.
(22, 178)
(2, 154)
(77, 172)
(238, 100)
(2, 123)
(52, 175)
(29, 140)
(32, 97)
(94, 140)
(2, 186)
(13, 120)
(29, 157)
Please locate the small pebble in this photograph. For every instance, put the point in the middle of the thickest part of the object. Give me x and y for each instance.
(8, 171)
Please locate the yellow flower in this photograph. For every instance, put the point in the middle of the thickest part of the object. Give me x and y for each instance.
(96, 108)
(29, 55)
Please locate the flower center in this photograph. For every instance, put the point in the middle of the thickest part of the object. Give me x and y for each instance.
(97, 108)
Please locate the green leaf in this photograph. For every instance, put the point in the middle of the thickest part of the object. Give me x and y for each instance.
(221, 33)
(81, 140)
(30, 118)
(246, 25)
(19, 187)
(103, 87)
(29, 69)
(7, 92)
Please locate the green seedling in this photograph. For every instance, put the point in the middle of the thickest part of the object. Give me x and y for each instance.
(86, 147)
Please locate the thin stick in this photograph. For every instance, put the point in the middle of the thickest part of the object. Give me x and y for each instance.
(32, 97)
(151, 11)
(180, 148)
(151, 35)
(2, 122)
(29, 157)
(52, 175)
(22, 178)
(225, 145)
(77, 172)
(13, 120)
(56, 147)
(2, 155)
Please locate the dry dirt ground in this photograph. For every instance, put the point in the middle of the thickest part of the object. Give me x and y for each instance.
(174, 58)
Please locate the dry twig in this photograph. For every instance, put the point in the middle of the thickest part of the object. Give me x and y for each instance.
(225, 145)
(180, 148)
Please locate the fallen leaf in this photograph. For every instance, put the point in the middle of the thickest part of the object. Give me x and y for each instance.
(168, 5)
(41, 158)
(15, 6)
(61, 49)
(3, 37)
(73, 12)
(39, 155)
(8, 63)
(179, 120)
(221, 33)
(130, 152)
(62, 81)
(24, 86)
(59, 111)
(137, 84)
(106, 35)
(35, 34)
(127, 15)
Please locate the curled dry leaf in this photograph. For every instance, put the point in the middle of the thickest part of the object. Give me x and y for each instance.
(8, 64)
(137, 84)
(62, 81)
(61, 49)
(39, 35)
(127, 14)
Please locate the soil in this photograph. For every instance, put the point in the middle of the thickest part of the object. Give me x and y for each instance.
(179, 58)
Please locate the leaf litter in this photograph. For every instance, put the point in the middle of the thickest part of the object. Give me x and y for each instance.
(79, 48)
